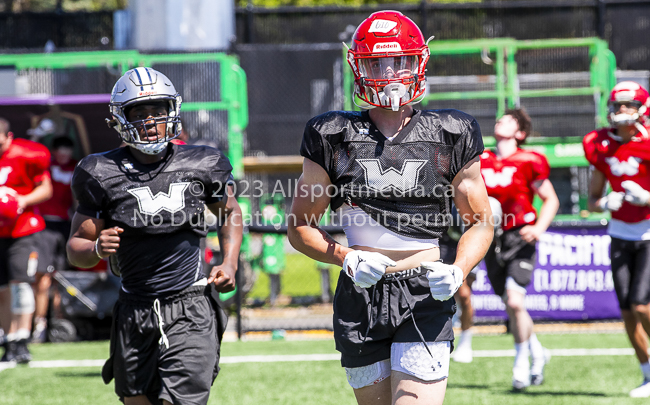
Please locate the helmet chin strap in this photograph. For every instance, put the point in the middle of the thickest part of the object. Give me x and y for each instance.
(150, 148)
(393, 93)
(641, 129)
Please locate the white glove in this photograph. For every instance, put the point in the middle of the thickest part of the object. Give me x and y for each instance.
(611, 202)
(366, 268)
(444, 279)
(635, 194)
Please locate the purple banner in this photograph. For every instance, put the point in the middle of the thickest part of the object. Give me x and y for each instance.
(572, 279)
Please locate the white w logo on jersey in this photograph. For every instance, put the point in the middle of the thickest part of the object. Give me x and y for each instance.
(404, 180)
(629, 167)
(172, 201)
(498, 179)
(4, 174)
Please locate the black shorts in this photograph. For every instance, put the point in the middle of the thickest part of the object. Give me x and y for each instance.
(631, 271)
(510, 256)
(182, 373)
(21, 258)
(57, 235)
(368, 320)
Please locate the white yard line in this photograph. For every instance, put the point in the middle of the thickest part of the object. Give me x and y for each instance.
(325, 357)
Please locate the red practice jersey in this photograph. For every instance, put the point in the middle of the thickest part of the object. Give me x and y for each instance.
(24, 165)
(59, 205)
(620, 162)
(511, 180)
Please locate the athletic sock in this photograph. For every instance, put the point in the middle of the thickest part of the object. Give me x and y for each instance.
(645, 369)
(536, 348)
(22, 334)
(11, 337)
(465, 339)
(522, 351)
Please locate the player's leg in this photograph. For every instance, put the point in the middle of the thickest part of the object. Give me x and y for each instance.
(408, 389)
(639, 299)
(419, 376)
(5, 298)
(191, 330)
(419, 370)
(42, 296)
(371, 384)
(363, 339)
(521, 326)
(134, 349)
(623, 261)
(636, 334)
(463, 350)
(24, 255)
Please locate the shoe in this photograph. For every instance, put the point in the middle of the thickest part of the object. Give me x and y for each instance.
(642, 391)
(23, 355)
(537, 368)
(463, 354)
(10, 352)
(520, 379)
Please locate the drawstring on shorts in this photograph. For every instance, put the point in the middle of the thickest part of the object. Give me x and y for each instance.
(163, 338)
(365, 336)
(399, 283)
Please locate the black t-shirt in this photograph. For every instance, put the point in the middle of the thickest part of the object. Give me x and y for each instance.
(403, 183)
(160, 206)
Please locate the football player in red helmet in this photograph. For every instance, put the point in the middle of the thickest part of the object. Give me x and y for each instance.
(388, 57)
(620, 155)
(390, 173)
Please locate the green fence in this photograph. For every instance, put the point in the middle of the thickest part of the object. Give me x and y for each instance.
(208, 82)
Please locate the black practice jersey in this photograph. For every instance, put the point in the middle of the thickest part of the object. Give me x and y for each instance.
(160, 206)
(404, 183)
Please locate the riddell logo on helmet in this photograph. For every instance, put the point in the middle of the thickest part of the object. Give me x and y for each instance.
(387, 47)
(146, 93)
(382, 26)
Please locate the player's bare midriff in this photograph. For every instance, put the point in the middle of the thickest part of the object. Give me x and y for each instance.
(405, 259)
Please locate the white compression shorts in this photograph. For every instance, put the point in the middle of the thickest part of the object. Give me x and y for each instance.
(410, 358)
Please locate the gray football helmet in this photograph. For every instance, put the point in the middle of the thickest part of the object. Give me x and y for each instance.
(141, 85)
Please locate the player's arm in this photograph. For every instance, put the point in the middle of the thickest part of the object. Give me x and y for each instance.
(550, 204)
(471, 199)
(89, 242)
(596, 201)
(41, 193)
(230, 235)
(309, 205)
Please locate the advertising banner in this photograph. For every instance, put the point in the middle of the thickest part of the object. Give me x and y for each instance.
(572, 279)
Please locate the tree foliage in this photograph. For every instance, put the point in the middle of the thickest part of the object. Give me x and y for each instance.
(18, 6)
(345, 3)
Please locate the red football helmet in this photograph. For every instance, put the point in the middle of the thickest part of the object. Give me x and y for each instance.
(8, 206)
(388, 57)
(628, 93)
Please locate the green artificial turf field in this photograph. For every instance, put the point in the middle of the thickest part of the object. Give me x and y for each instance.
(570, 379)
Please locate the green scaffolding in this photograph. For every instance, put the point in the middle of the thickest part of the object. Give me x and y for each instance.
(233, 91)
(562, 152)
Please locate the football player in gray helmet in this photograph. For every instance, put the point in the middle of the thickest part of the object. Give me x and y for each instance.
(140, 91)
(142, 206)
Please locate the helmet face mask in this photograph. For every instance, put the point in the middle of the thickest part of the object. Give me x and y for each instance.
(145, 86)
(388, 57)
